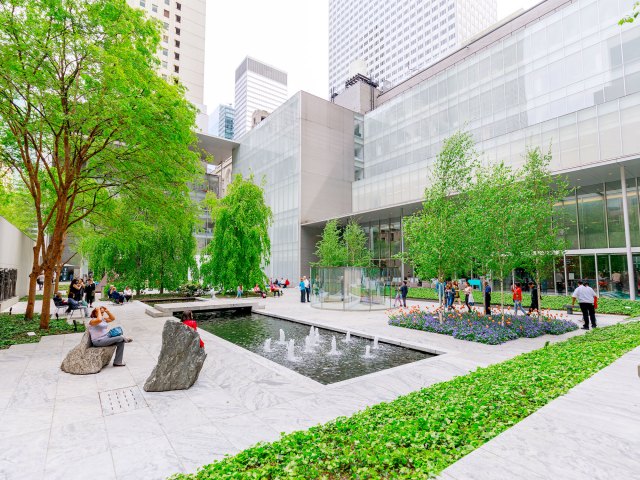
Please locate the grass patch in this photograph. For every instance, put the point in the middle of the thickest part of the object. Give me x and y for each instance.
(616, 306)
(420, 434)
(14, 328)
(39, 296)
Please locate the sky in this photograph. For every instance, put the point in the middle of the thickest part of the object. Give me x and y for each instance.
(292, 35)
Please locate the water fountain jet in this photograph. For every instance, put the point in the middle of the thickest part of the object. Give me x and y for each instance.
(267, 345)
(290, 351)
(367, 352)
(375, 343)
(282, 340)
(347, 339)
(334, 348)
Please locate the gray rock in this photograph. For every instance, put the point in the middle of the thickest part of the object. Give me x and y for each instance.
(180, 360)
(84, 358)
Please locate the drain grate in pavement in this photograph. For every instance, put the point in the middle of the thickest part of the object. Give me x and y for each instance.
(121, 400)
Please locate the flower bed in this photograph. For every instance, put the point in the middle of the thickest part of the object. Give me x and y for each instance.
(420, 434)
(477, 328)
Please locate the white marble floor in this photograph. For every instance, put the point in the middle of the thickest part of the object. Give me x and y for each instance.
(53, 425)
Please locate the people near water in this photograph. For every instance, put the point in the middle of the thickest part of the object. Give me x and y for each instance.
(116, 296)
(188, 320)
(128, 294)
(307, 287)
(587, 299)
(487, 298)
(404, 291)
(517, 299)
(274, 287)
(90, 292)
(102, 335)
(287, 283)
(468, 296)
(258, 291)
(303, 290)
(533, 288)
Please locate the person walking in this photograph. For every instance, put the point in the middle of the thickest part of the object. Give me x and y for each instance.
(307, 288)
(487, 298)
(468, 297)
(440, 291)
(40, 281)
(533, 288)
(456, 292)
(303, 290)
(586, 298)
(397, 301)
(239, 291)
(448, 295)
(404, 291)
(90, 292)
(517, 299)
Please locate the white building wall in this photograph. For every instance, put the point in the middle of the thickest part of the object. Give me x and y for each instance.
(16, 252)
(398, 37)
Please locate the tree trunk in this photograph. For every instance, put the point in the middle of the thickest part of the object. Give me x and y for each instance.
(46, 299)
(33, 276)
(539, 294)
(502, 297)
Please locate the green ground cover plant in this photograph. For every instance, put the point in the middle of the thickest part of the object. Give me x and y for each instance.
(616, 306)
(14, 328)
(418, 435)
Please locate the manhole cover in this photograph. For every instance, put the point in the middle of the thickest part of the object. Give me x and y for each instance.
(121, 400)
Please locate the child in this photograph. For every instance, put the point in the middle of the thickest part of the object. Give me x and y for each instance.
(397, 302)
(187, 319)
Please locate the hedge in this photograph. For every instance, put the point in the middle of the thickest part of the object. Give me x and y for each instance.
(554, 302)
(420, 434)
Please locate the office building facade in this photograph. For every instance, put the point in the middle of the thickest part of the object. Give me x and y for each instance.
(258, 87)
(397, 38)
(182, 45)
(221, 121)
(562, 75)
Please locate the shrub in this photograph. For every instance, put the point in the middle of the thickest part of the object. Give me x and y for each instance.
(420, 434)
(14, 328)
(192, 289)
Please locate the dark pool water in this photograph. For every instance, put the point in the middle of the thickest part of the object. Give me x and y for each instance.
(250, 330)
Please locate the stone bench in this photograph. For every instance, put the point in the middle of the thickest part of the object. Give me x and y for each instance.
(84, 358)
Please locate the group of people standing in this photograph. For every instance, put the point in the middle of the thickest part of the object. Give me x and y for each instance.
(305, 289)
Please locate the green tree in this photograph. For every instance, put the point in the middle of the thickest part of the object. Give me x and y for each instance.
(330, 249)
(496, 233)
(84, 115)
(240, 247)
(632, 16)
(355, 245)
(436, 239)
(541, 225)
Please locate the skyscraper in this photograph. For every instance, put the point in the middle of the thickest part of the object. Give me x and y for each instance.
(258, 87)
(397, 38)
(182, 48)
(221, 121)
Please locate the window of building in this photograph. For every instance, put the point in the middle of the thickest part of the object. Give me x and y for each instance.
(176, 68)
(166, 13)
(164, 64)
(178, 6)
(177, 43)
(143, 3)
(165, 38)
(154, 8)
(167, 2)
(165, 52)
(166, 26)
(177, 31)
(178, 18)
(176, 56)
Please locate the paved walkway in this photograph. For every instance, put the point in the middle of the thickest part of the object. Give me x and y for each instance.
(592, 432)
(53, 424)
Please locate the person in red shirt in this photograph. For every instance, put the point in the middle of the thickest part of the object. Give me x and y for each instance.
(187, 319)
(517, 299)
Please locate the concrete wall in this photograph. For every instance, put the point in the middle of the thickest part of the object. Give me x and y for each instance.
(16, 251)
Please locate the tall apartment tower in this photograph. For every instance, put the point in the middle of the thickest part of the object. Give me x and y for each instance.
(182, 49)
(221, 121)
(397, 38)
(258, 87)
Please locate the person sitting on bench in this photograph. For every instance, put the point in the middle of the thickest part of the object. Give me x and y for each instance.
(102, 335)
(116, 296)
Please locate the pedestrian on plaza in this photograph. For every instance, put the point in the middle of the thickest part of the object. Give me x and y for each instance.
(307, 287)
(487, 298)
(468, 296)
(187, 319)
(440, 291)
(586, 299)
(40, 281)
(397, 301)
(303, 290)
(90, 292)
(448, 295)
(456, 290)
(533, 288)
(517, 299)
(404, 291)
(239, 291)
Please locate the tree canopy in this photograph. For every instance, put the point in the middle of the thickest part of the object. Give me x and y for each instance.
(84, 116)
(343, 247)
(240, 247)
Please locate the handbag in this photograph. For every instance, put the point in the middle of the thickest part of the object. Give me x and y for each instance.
(115, 332)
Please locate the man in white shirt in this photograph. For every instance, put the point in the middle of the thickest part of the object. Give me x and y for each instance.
(585, 296)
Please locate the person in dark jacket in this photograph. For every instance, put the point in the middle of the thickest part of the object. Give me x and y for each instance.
(533, 288)
(90, 292)
(404, 291)
(487, 298)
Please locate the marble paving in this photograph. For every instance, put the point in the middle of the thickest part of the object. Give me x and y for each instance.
(54, 425)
